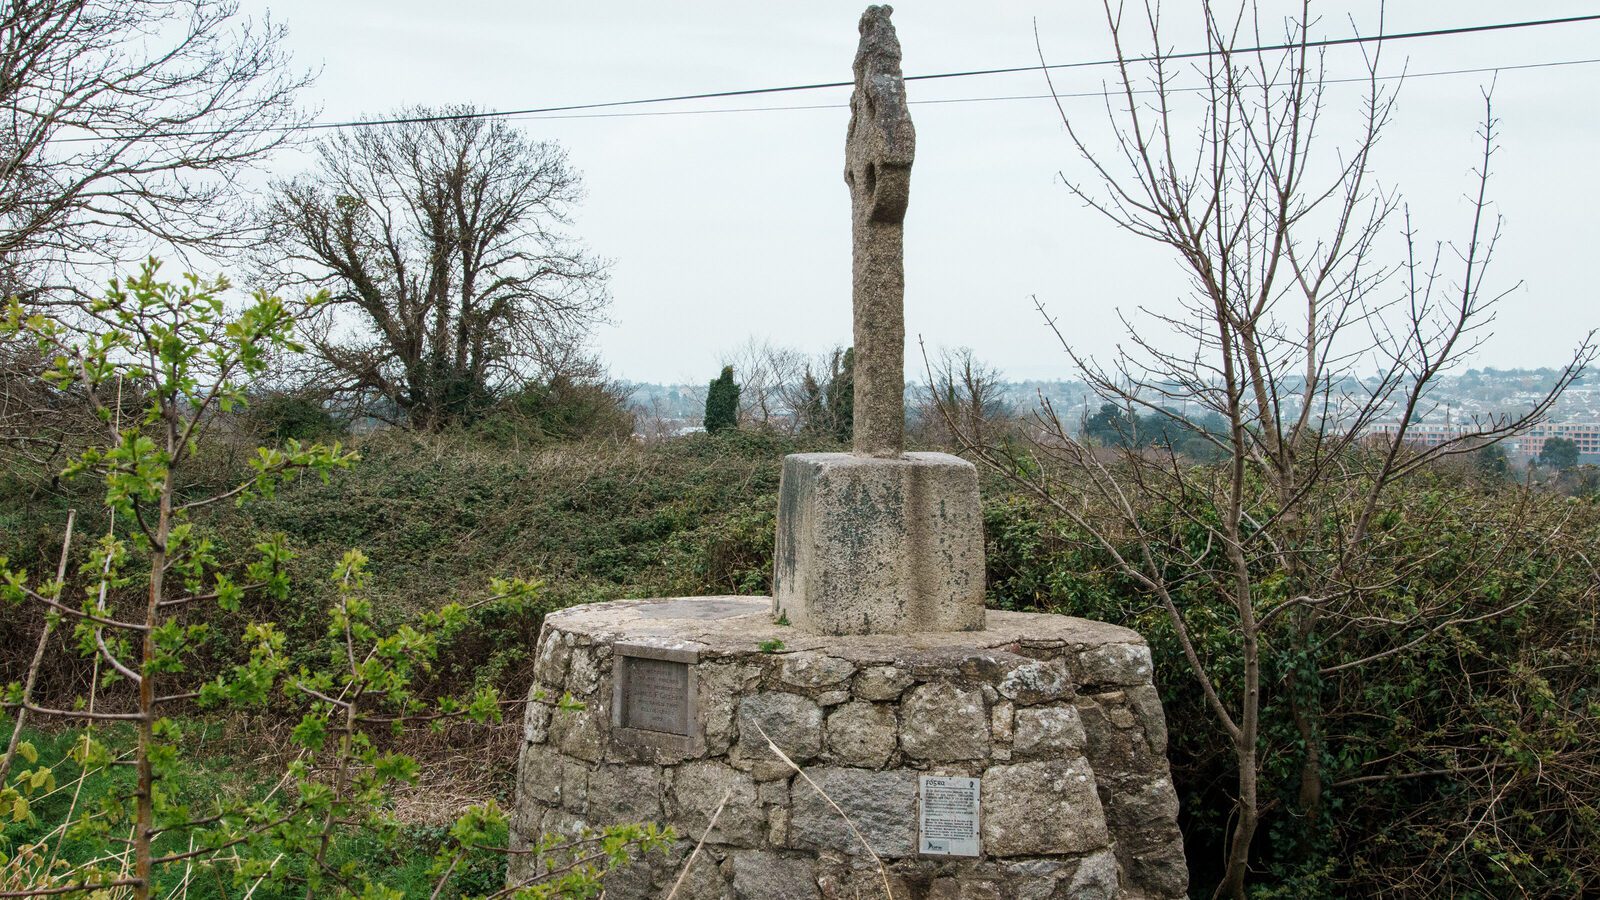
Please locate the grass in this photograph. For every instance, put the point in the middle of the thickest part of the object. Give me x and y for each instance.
(437, 515)
(228, 762)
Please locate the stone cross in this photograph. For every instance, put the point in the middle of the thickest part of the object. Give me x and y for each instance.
(879, 541)
(878, 154)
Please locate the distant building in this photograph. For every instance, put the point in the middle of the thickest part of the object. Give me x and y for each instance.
(1418, 434)
(1585, 434)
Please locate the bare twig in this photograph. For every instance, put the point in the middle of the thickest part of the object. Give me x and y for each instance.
(38, 656)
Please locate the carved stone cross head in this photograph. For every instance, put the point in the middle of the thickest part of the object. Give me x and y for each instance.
(881, 142)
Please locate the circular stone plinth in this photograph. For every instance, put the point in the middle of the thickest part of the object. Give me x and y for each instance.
(1055, 716)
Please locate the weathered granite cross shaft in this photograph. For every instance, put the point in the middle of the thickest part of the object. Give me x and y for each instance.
(878, 152)
(879, 541)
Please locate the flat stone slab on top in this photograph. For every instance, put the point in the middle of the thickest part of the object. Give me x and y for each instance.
(714, 627)
(873, 545)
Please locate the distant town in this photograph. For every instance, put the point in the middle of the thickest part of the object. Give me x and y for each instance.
(1456, 406)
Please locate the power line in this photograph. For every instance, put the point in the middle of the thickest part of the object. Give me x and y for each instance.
(1265, 48)
(1063, 95)
(549, 111)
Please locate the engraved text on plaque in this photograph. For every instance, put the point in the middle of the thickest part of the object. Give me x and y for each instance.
(949, 816)
(655, 695)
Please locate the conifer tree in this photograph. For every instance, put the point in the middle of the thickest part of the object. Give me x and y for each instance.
(722, 402)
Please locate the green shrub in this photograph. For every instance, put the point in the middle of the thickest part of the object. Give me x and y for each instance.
(560, 410)
(151, 601)
(280, 416)
(1463, 766)
(722, 403)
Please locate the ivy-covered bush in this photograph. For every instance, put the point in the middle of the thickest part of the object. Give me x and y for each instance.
(1463, 748)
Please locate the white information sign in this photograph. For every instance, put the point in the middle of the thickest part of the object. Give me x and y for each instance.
(949, 815)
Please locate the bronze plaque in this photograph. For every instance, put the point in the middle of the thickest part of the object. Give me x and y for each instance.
(655, 695)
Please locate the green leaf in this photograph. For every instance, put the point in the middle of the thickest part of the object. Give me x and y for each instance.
(311, 733)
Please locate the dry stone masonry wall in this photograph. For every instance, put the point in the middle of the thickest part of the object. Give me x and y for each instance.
(1055, 716)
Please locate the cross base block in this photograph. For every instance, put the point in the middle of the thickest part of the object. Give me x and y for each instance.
(871, 545)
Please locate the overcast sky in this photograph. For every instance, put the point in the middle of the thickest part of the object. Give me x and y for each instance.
(726, 225)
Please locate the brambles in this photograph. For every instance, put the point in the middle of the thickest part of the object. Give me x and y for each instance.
(1480, 738)
(163, 363)
(1235, 479)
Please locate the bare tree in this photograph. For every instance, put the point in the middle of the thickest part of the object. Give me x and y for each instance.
(786, 390)
(960, 385)
(1288, 301)
(123, 127)
(442, 245)
(769, 378)
(41, 427)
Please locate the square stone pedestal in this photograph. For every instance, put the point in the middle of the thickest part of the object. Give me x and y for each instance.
(879, 546)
